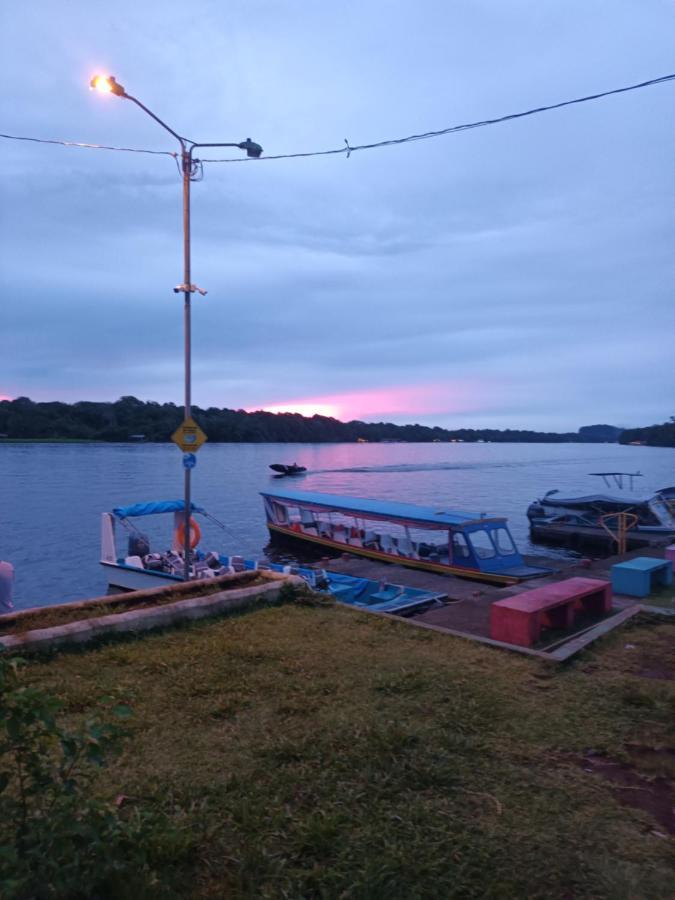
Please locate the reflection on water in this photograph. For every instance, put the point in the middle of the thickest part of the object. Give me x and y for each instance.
(51, 495)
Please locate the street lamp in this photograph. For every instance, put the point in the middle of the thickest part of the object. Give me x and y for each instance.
(190, 169)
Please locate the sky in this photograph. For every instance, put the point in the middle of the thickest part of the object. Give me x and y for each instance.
(517, 276)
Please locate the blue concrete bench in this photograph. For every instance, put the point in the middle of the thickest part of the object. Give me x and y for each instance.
(638, 577)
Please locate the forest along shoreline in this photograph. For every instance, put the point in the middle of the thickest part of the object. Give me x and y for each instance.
(130, 419)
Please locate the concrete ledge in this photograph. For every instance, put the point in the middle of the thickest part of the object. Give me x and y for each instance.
(125, 598)
(138, 620)
(557, 653)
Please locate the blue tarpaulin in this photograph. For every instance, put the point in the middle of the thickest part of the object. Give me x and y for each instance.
(150, 509)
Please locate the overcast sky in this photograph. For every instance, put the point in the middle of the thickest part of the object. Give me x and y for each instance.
(514, 276)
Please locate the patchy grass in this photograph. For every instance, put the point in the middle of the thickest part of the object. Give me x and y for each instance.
(664, 597)
(318, 752)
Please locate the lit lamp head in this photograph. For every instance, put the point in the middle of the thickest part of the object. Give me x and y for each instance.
(106, 84)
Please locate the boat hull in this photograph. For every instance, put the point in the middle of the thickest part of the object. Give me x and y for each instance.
(129, 578)
(287, 535)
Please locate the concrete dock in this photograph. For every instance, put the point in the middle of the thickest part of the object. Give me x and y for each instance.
(468, 606)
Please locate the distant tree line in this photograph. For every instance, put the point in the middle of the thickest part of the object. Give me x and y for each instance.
(652, 436)
(132, 419)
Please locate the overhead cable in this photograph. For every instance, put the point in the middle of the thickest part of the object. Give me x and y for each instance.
(348, 148)
(15, 137)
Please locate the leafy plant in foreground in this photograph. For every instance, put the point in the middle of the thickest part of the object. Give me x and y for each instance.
(57, 840)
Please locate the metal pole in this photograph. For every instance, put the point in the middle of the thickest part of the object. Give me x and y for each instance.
(187, 167)
(252, 149)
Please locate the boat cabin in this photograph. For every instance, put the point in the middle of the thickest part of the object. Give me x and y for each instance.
(440, 540)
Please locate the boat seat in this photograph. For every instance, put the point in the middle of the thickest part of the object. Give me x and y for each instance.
(406, 548)
(389, 592)
(135, 561)
(340, 590)
(355, 538)
(387, 544)
(201, 570)
(212, 559)
(307, 520)
(238, 563)
(153, 562)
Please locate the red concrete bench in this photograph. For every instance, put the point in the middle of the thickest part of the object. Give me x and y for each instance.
(520, 619)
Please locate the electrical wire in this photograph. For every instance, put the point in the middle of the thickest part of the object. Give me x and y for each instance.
(348, 149)
(453, 129)
(15, 137)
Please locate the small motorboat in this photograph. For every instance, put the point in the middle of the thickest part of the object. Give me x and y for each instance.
(293, 469)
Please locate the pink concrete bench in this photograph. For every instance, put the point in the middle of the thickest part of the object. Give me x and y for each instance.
(520, 619)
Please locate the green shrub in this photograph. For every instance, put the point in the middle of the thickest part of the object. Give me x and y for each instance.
(57, 840)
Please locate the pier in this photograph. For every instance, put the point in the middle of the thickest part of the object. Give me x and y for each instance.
(466, 612)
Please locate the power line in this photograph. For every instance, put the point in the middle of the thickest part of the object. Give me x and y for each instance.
(348, 149)
(15, 137)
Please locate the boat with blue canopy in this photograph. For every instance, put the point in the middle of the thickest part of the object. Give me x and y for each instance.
(136, 566)
(441, 540)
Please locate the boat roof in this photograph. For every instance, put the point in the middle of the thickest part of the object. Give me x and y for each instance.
(595, 498)
(153, 507)
(386, 508)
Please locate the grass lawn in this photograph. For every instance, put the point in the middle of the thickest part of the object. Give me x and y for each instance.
(319, 752)
(663, 597)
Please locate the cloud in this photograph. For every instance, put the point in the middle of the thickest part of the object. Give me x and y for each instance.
(514, 259)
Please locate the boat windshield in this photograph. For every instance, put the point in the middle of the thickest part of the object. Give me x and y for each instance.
(482, 545)
(493, 542)
(503, 542)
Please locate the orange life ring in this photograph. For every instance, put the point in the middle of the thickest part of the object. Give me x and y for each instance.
(195, 533)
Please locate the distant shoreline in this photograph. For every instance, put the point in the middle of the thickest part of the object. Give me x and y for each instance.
(130, 420)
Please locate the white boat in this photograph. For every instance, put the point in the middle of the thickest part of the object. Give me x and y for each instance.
(138, 566)
(655, 514)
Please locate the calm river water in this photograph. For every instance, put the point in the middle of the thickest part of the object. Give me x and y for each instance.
(51, 495)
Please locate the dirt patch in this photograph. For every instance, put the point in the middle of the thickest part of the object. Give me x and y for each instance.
(655, 659)
(654, 795)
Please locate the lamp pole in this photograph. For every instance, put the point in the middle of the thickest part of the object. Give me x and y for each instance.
(189, 168)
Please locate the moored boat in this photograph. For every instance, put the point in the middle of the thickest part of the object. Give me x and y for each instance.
(654, 515)
(452, 542)
(140, 568)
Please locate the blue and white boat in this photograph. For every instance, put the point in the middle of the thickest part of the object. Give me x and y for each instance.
(140, 567)
(437, 539)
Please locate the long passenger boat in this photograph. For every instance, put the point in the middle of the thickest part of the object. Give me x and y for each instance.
(445, 541)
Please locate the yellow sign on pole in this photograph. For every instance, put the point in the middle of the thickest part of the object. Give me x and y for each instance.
(189, 436)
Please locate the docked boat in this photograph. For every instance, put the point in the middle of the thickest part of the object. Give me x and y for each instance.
(655, 515)
(293, 469)
(445, 541)
(140, 568)
(137, 565)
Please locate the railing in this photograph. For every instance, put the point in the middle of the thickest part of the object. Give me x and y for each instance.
(624, 522)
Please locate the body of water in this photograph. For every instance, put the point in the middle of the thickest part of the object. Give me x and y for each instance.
(52, 495)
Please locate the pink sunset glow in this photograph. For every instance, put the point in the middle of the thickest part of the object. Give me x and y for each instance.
(434, 399)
